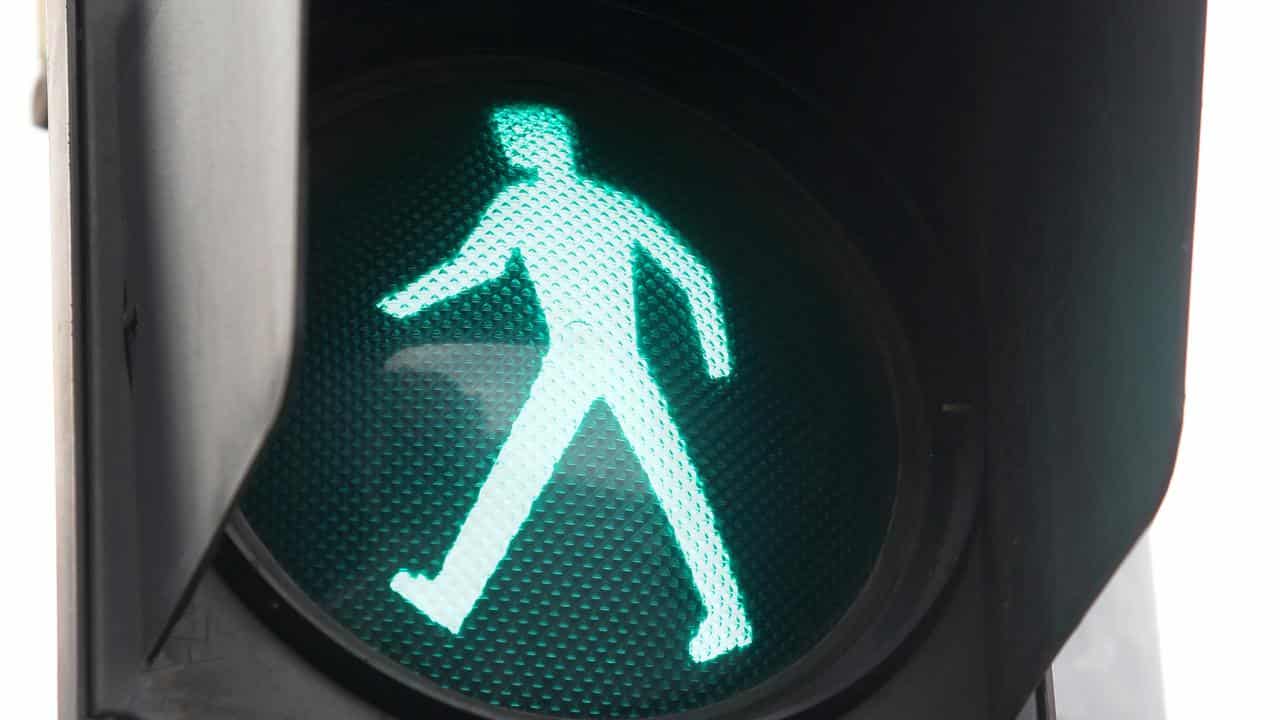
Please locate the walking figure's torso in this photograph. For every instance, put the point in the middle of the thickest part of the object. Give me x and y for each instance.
(578, 245)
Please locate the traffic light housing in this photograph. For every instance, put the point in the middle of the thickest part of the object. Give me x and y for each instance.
(949, 246)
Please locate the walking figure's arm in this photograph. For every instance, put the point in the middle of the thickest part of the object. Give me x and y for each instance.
(482, 257)
(698, 285)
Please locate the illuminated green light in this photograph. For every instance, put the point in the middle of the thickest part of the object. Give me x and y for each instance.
(577, 239)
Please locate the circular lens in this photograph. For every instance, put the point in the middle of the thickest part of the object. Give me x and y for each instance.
(587, 418)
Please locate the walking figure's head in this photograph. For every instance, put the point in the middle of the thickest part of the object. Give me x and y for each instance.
(535, 137)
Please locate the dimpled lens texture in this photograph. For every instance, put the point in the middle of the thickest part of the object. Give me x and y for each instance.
(701, 433)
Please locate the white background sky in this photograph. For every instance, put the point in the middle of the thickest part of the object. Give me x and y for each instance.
(1214, 543)
(27, 566)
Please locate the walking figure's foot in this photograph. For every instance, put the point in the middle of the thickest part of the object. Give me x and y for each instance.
(721, 631)
(444, 608)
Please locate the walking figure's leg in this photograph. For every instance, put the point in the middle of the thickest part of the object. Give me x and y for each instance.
(644, 418)
(558, 401)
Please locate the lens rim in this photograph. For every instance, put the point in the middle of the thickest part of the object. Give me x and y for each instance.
(939, 461)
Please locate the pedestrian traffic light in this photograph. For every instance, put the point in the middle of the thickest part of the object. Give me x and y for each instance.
(597, 359)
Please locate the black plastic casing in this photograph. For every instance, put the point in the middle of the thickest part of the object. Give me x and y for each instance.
(1046, 150)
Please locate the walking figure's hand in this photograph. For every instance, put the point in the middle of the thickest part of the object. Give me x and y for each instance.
(483, 257)
(698, 286)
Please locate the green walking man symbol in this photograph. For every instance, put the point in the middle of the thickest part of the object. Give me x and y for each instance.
(577, 239)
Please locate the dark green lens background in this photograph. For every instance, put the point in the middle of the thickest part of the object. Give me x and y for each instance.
(373, 469)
